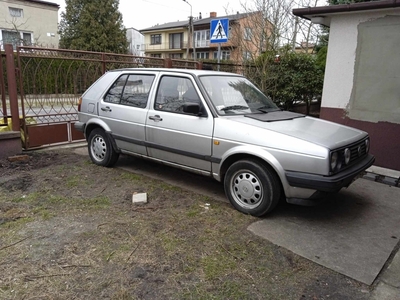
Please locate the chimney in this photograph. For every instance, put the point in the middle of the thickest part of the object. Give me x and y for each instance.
(213, 14)
(200, 17)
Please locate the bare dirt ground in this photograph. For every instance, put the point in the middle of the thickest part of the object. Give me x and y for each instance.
(69, 230)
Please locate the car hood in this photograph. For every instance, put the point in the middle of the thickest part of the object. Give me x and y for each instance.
(317, 131)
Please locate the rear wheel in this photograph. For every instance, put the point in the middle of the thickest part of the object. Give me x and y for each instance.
(100, 149)
(252, 187)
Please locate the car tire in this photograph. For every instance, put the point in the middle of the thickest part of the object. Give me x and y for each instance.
(252, 187)
(100, 149)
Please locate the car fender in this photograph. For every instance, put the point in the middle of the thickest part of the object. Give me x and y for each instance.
(260, 153)
(96, 122)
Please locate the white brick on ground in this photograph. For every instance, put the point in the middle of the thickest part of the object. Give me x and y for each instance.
(139, 198)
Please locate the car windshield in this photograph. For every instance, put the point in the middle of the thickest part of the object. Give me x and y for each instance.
(236, 95)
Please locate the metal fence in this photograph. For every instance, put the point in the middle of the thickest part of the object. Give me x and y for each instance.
(52, 80)
(40, 88)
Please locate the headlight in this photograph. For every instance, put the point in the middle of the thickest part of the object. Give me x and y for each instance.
(366, 145)
(334, 160)
(347, 155)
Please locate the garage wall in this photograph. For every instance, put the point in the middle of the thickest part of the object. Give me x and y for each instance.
(362, 81)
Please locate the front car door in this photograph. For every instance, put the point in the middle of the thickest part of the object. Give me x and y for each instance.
(178, 137)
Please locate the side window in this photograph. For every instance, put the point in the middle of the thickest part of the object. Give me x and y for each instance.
(116, 90)
(136, 91)
(173, 92)
(168, 97)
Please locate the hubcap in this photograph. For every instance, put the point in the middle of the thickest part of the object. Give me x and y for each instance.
(98, 148)
(246, 189)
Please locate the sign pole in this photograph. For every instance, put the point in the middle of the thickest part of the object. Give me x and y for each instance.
(219, 54)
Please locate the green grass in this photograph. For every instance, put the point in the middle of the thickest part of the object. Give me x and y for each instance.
(130, 176)
(73, 181)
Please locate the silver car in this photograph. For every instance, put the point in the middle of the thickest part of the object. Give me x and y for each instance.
(219, 124)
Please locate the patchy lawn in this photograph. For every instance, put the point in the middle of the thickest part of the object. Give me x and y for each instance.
(69, 230)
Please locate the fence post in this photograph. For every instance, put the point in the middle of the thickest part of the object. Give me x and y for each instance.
(168, 63)
(12, 86)
(103, 62)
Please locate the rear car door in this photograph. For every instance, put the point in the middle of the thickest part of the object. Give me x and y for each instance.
(173, 135)
(124, 110)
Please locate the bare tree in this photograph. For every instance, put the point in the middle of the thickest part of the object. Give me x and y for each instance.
(265, 27)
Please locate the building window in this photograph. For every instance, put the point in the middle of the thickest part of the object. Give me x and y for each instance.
(225, 55)
(246, 55)
(175, 41)
(202, 55)
(27, 39)
(202, 38)
(11, 37)
(158, 55)
(16, 12)
(155, 39)
(247, 33)
(16, 38)
(176, 55)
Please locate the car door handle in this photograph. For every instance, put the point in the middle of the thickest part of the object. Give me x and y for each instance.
(156, 118)
(107, 108)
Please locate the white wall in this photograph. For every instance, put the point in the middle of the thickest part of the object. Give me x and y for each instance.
(135, 40)
(339, 74)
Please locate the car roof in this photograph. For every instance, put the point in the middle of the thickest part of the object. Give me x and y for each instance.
(175, 70)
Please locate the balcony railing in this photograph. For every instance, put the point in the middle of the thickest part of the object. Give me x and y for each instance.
(165, 46)
(170, 46)
(202, 44)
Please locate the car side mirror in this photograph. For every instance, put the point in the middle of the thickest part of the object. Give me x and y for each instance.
(192, 108)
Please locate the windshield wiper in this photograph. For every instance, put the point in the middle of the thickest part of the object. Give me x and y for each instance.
(267, 109)
(234, 107)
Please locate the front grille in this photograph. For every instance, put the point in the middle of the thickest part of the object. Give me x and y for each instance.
(358, 151)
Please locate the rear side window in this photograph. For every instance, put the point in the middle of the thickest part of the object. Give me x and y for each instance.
(131, 90)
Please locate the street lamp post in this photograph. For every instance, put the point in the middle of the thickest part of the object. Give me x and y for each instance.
(191, 33)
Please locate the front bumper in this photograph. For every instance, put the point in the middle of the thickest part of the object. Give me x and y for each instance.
(329, 183)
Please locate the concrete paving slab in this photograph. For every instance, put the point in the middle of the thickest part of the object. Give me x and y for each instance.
(391, 276)
(353, 232)
(385, 292)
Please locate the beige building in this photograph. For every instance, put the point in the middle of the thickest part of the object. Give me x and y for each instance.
(29, 22)
(175, 40)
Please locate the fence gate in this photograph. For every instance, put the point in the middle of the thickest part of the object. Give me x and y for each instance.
(50, 84)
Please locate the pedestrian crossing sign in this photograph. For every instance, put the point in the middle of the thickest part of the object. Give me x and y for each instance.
(219, 31)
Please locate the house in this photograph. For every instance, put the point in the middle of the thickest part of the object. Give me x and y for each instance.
(169, 40)
(361, 86)
(136, 42)
(29, 22)
(305, 47)
(247, 33)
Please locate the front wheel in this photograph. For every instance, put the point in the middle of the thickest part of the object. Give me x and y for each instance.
(100, 149)
(252, 187)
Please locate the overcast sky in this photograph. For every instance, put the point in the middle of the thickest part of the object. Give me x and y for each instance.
(141, 14)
